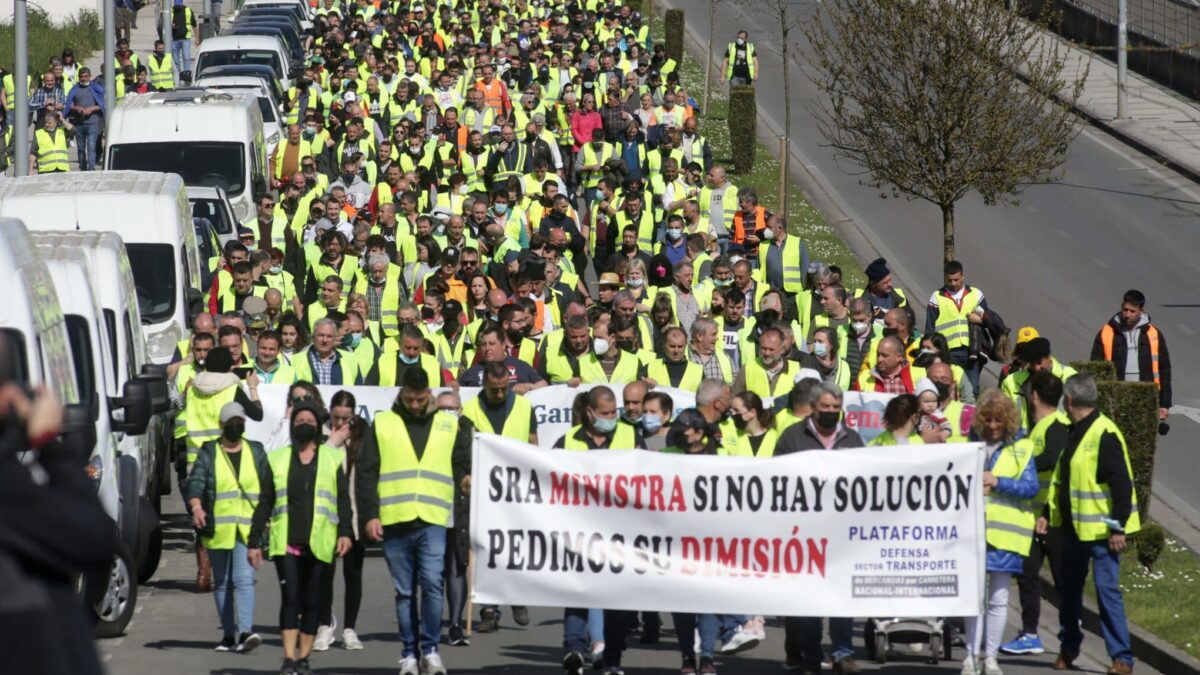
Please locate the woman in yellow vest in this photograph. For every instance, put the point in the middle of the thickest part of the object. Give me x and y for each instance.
(1009, 485)
(900, 422)
(221, 493)
(306, 496)
(826, 347)
(755, 423)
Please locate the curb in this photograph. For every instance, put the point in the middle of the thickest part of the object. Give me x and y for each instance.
(1147, 647)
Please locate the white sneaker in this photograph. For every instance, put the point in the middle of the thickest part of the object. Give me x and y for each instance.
(350, 640)
(324, 639)
(597, 655)
(758, 626)
(744, 639)
(969, 666)
(409, 666)
(991, 666)
(431, 664)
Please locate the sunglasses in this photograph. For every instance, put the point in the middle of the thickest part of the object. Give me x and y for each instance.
(307, 398)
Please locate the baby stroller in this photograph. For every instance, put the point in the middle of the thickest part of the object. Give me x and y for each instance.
(919, 634)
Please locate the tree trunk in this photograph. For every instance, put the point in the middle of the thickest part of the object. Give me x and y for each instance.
(787, 114)
(948, 232)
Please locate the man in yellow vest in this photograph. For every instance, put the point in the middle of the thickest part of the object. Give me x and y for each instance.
(161, 67)
(674, 369)
(741, 62)
(783, 258)
(496, 410)
(48, 152)
(952, 310)
(1046, 439)
(221, 493)
(770, 375)
(1136, 348)
(1092, 498)
(408, 466)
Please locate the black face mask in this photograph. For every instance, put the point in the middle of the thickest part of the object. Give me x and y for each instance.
(232, 430)
(891, 332)
(347, 177)
(303, 434)
(740, 422)
(531, 137)
(515, 336)
(828, 419)
(627, 345)
(943, 390)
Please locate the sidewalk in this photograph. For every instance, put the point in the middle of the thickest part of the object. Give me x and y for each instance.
(1160, 122)
(142, 38)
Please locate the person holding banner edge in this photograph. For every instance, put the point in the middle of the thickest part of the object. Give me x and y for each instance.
(408, 467)
(1009, 484)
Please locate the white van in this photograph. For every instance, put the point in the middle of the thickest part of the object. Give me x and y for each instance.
(232, 50)
(300, 7)
(149, 454)
(114, 417)
(211, 140)
(268, 105)
(150, 212)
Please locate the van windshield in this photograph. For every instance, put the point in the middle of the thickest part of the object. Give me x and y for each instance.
(268, 110)
(212, 210)
(231, 57)
(154, 278)
(203, 164)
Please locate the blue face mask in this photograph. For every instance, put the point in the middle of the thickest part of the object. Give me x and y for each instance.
(408, 360)
(651, 423)
(605, 425)
(500, 209)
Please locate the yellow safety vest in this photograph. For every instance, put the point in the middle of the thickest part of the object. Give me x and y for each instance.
(1091, 502)
(204, 417)
(516, 424)
(387, 366)
(1037, 437)
(1010, 520)
(162, 73)
(411, 488)
(305, 150)
(758, 382)
(52, 152)
(692, 375)
(322, 538)
(623, 438)
(954, 414)
(952, 320)
(231, 512)
(731, 54)
(729, 207)
(766, 449)
(346, 360)
(592, 178)
(888, 438)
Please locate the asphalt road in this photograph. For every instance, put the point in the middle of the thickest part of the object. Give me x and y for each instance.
(1060, 261)
(174, 630)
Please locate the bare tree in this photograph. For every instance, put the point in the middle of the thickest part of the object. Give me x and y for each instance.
(784, 24)
(939, 98)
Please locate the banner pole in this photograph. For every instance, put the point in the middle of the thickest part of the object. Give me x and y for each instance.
(470, 590)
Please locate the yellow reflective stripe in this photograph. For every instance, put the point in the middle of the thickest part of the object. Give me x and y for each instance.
(1086, 494)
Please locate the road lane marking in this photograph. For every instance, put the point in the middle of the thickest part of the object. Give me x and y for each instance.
(1063, 233)
(1100, 263)
(1184, 329)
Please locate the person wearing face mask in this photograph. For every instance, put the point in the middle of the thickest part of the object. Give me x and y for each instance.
(598, 428)
(658, 409)
(222, 492)
(822, 430)
(755, 424)
(674, 244)
(619, 362)
(449, 339)
(713, 401)
(356, 342)
(740, 65)
(825, 360)
(771, 374)
(383, 293)
(401, 354)
(413, 450)
(306, 497)
(784, 258)
(357, 189)
(860, 335)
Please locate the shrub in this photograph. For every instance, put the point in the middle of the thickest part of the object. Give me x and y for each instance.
(674, 34)
(1101, 371)
(743, 121)
(1149, 543)
(1133, 406)
(46, 39)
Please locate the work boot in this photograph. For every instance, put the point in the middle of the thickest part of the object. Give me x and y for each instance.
(203, 570)
(1120, 668)
(1065, 660)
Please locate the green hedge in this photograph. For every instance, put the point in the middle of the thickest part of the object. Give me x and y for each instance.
(743, 123)
(636, 6)
(674, 34)
(48, 38)
(1101, 371)
(1133, 406)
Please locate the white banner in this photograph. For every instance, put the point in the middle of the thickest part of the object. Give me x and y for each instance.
(551, 406)
(868, 532)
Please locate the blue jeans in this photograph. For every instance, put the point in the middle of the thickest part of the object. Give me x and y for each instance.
(685, 627)
(1072, 573)
(86, 137)
(802, 638)
(416, 557)
(581, 627)
(728, 625)
(181, 53)
(233, 587)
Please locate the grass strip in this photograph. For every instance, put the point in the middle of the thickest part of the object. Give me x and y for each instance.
(47, 39)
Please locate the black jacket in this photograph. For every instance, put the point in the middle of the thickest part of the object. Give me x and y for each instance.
(1145, 372)
(49, 533)
(1110, 470)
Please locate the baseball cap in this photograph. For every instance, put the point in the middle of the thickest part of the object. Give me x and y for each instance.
(1026, 334)
(231, 410)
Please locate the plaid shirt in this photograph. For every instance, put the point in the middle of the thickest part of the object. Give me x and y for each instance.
(892, 385)
(712, 365)
(375, 302)
(322, 369)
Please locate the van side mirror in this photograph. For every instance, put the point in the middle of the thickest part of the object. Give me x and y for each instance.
(131, 411)
(78, 431)
(156, 377)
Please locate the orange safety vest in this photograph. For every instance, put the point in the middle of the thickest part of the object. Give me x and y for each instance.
(493, 95)
(739, 229)
(1106, 339)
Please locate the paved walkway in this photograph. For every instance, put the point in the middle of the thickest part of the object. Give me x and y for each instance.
(1159, 122)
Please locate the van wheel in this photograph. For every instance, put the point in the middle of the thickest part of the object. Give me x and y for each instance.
(149, 541)
(114, 609)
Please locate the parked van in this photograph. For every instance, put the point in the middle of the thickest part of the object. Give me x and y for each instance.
(211, 140)
(296, 8)
(115, 474)
(268, 105)
(150, 212)
(227, 50)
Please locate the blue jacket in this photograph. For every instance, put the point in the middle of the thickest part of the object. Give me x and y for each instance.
(1025, 487)
(93, 86)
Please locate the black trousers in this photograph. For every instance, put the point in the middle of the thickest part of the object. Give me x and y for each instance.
(352, 574)
(300, 581)
(1029, 587)
(617, 624)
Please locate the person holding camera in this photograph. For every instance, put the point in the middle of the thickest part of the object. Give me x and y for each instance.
(222, 493)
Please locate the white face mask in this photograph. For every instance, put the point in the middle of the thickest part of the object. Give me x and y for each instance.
(601, 346)
(768, 234)
(860, 327)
